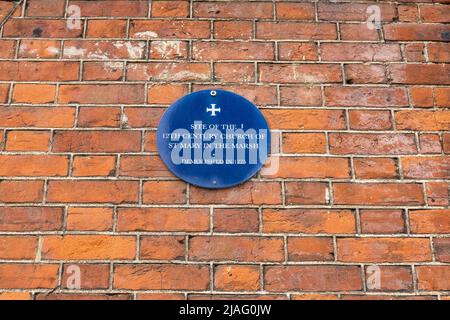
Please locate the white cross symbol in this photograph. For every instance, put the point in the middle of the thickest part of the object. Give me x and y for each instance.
(213, 110)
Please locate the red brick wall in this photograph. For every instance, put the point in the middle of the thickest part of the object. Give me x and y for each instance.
(363, 175)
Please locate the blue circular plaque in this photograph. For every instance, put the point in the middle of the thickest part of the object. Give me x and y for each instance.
(213, 139)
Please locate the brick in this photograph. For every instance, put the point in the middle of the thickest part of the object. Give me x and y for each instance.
(102, 94)
(75, 296)
(247, 193)
(352, 11)
(15, 295)
(220, 248)
(421, 97)
(45, 8)
(408, 13)
(40, 28)
(446, 143)
(419, 73)
(39, 49)
(17, 248)
(233, 30)
(142, 117)
(161, 71)
(89, 219)
(232, 51)
(169, 50)
(308, 221)
(437, 193)
(21, 191)
(434, 13)
(163, 219)
(299, 73)
(88, 247)
(360, 52)
(439, 52)
(28, 276)
(383, 249)
(166, 93)
(392, 278)
(442, 249)
(301, 51)
(241, 10)
(161, 277)
(236, 220)
(164, 192)
(414, 52)
(234, 72)
(34, 93)
(310, 249)
(433, 278)
(436, 167)
(430, 221)
(359, 143)
(179, 9)
(163, 248)
(442, 96)
(423, 120)
(106, 28)
(370, 120)
(358, 32)
(382, 221)
(160, 296)
(97, 141)
(311, 167)
(430, 143)
(93, 117)
(312, 278)
(37, 117)
(27, 141)
(304, 119)
(362, 73)
(415, 32)
(314, 296)
(295, 30)
(365, 97)
(307, 193)
(111, 8)
(378, 194)
(178, 29)
(4, 92)
(80, 191)
(375, 168)
(31, 218)
(236, 278)
(104, 50)
(236, 297)
(300, 96)
(33, 165)
(304, 143)
(143, 166)
(295, 11)
(39, 71)
(92, 276)
(103, 71)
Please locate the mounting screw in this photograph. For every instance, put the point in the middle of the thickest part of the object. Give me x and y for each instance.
(213, 93)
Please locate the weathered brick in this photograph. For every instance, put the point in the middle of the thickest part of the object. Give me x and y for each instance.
(28, 276)
(94, 276)
(27, 141)
(307, 193)
(163, 248)
(382, 221)
(295, 30)
(236, 278)
(89, 219)
(102, 94)
(375, 168)
(33, 165)
(433, 278)
(111, 8)
(164, 192)
(430, 221)
(365, 97)
(161, 277)
(252, 249)
(248, 10)
(437, 167)
(17, 248)
(312, 278)
(310, 249)
(39, 71)
(31, 218)
(236, 220)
